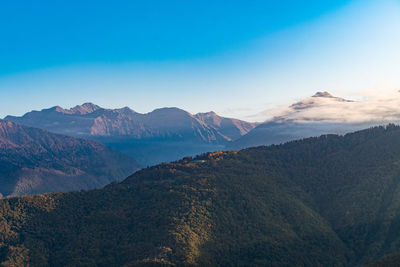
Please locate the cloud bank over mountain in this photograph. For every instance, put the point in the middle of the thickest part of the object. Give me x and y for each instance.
(320, 114)
(323, 107)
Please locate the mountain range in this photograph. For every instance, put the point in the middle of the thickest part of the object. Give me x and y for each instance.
(323, 201)
(36, 161)
(162, 135)
(167, 134)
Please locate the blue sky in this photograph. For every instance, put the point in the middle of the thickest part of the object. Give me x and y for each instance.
(234, 57)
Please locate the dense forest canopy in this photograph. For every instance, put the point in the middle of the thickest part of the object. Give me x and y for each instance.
(326, 201)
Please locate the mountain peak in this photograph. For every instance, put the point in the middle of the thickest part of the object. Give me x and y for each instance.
(55, 109)
(170, 110)
(329, 96)
(210, 114)
(125, 110)
(323, 94)
(85, 108)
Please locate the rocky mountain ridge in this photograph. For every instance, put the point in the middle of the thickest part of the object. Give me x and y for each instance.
(91, 120)
(162, 135)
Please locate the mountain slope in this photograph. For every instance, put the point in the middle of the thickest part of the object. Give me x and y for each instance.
(162, 135)
(327, 201)
(232, 129)
(36, 161)
(91, 120)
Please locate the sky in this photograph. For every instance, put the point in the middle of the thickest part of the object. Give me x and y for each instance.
(237, 58)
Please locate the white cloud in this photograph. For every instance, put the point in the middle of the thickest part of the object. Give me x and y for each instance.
(374, 109)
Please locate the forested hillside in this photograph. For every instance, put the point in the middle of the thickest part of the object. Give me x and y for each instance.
(35, 161)
(326, 201)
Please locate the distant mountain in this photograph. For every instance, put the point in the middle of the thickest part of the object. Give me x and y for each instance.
(36, 161)
(313, 116)
(162, 135)
(273, 132)
(326, 201)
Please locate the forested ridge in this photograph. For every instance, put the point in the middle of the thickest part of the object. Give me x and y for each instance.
(326, 201)
(34, 161)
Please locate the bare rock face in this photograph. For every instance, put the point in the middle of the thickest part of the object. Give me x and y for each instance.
(232, 129)
(162, 135)
(36, 161)
(84, 109)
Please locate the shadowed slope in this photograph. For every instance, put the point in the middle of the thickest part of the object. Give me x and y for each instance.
(36, 161)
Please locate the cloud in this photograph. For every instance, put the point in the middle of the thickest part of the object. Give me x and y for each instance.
(374, 109)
